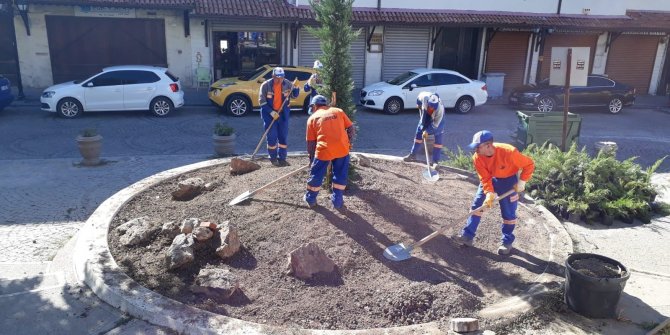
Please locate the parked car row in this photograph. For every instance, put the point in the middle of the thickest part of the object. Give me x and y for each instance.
(136, 87)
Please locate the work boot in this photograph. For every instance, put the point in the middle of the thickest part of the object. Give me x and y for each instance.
(505, 249)
(283, 162)
(434, 166)
(309, 204)
(337, 199)
(409, 158)
(464, 241)
(274, 162)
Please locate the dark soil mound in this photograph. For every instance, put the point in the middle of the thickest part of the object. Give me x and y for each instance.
(386, 204)
(597, 268)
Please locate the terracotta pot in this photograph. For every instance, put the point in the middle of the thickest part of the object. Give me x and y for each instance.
(90, 147)
(224, 145)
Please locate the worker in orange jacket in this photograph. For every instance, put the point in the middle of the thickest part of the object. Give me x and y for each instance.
(329, 136)
(500, 168)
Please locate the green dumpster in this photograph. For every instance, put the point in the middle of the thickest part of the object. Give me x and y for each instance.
(537, 127)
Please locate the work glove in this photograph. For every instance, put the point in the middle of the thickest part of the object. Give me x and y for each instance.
(424, 135)
(520, 186)
(274, 115)
(490, 198)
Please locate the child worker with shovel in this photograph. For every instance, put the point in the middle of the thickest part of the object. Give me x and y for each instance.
(329, 136)
(501, 168)
(431, 122)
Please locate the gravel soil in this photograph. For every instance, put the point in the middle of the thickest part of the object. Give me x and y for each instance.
(386, 203)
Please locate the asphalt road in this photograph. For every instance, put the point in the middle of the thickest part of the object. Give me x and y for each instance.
(29, 133)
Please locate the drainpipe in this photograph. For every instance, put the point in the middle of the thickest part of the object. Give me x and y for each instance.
(558, 10)
(379, 4)
(19, 83)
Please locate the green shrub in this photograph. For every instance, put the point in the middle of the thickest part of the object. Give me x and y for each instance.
(223, 129)
(597, 188)
(89, 132)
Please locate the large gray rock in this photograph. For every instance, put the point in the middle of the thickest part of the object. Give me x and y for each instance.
(170, 229)
(361, 160)
(180, 252)
(464, 325)
(188, 189)
(216, 282)
(241, 166)
(228, 240)
(202, 233)
(307, 260)
(136, 231)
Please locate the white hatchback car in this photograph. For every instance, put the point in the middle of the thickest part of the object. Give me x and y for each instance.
(455, 90)
(128, 87)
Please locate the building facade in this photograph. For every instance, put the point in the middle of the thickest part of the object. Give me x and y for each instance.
(61, 40)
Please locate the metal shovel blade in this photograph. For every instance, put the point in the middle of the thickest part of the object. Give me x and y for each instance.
(240, 198)
(430, 175)
(397, 252)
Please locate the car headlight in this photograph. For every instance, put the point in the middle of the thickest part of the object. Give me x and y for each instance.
(531, 95)
(48, 94)
(375, 93)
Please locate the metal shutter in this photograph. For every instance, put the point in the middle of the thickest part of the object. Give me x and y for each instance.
(507, 54)
(567, 40)
(405, 48)
(631, 60)
(310, 49)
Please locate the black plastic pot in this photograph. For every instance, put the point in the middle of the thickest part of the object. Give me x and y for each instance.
(593, 297)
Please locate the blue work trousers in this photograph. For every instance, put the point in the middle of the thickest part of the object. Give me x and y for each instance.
(507, 209)
(277, 138)
(318, 172)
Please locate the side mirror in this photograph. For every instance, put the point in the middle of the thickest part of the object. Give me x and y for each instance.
(260, 81)
(412, 86)
(89, 84)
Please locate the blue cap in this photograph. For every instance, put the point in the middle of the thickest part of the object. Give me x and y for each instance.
(319, 100)
(433, 101)
(278, 72)
(479, 138)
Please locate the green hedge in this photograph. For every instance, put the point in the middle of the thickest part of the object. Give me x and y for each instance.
(597, 188)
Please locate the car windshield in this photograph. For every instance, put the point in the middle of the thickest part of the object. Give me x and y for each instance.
(402, 78)
(254, 75)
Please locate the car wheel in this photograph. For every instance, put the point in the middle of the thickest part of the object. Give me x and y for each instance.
(238, 105)
(464, 105)
(615, 105)
(546, 104)
(69, 108)
(393, 105)
(161, 106)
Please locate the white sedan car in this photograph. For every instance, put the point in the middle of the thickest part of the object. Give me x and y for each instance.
(128, 87)
(455, 90)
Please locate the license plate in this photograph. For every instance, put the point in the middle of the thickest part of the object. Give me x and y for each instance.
(4, 87)
(513, 99)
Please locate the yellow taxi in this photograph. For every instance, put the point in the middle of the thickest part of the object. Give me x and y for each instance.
(239, 95)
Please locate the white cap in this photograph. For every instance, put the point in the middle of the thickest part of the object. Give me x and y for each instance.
(317, 64)
(278, 72)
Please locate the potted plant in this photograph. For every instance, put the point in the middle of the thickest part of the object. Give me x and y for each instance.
(224, 139)
(90, 144)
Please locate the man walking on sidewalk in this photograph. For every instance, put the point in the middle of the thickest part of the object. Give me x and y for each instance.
(274, 97)
(329, 136)
(500, 168)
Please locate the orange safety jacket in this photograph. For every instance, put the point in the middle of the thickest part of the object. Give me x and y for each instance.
(505, 162)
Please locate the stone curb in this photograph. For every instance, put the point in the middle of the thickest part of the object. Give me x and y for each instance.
(95, 266)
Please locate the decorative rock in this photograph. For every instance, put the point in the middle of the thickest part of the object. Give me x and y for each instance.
(136, 231)
(209, 186)
(170, 229)
(180, 252)
(229, 240)
(188, 189)
(464, 325)
(210, 225)
(188, 225)
(606, 147)
(202, 233)
(362, 160)
(216, 282)
(241, 166)
(307, 260)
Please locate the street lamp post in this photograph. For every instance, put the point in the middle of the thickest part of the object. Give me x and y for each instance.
(23, 10)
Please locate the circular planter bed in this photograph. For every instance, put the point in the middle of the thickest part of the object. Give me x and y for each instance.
(386, 203)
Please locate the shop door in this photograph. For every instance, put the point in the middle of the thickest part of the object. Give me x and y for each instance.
(456, 49)
(7, 59)
(507, 53)
(631, 60)
(82, 46)
(405, 48)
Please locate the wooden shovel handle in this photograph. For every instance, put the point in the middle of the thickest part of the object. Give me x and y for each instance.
(278, 179)
(444, 227)
(258, 146)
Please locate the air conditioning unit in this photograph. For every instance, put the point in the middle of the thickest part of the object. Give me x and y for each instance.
(586, 11)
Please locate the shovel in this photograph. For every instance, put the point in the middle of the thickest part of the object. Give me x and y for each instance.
(247, 195)
(428, 175)
(401, 252)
